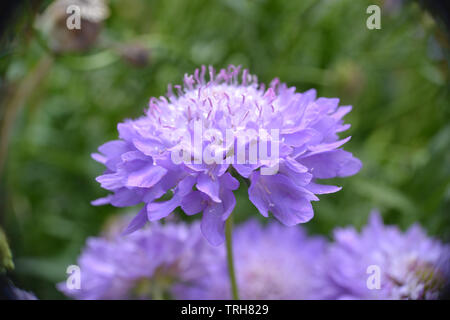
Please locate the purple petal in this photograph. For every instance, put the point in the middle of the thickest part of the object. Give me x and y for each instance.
(113, 148)
(228, 203)
(341, 112)
(257, 196)
(209, 186)
(212, 225)
(185, 186)
(288, 202)
(145, 177)
(291, 212)
(328, 104)
(125, 197)
(193, 203)
(245, 170)
(321, 188)
(336, 163)
(110, 181)
(299, 138)
(316, 149)
(148, 147)
(101, 201)
(297, 172)
(99, 158)
(229, 182)
(159, 210)
(138, 222)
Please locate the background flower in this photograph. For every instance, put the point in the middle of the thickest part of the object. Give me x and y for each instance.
(8, 291)
(271, 262)
(411, 265)
(143, 265)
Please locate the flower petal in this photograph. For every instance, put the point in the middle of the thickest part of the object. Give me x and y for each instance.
(209, 186)
(138, 222)
(322, 188)
(111, 181)
(257, 196)
(193, 203)
(212, 225)
(330, 164)
(145, 177)
(159, 210)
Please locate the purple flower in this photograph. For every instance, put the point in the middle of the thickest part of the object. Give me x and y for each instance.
(281, 140)
(381, 262)
(8, 291)
(23, 295)
(142, 265)
(272, 262)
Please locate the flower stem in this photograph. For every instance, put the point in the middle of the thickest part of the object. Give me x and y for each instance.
(229, 242)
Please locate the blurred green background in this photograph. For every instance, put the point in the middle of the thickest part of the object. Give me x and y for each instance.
(64, 96)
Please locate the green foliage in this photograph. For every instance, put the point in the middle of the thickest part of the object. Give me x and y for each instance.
(6, 262)
(396, 79)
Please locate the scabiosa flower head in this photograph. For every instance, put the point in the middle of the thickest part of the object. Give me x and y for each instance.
(188, 144)
(381, 262)
(272, 262)
(142, 265)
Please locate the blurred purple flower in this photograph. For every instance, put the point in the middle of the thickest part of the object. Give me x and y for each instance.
(140, 168)
(142, 265)
(23, 295)
(8, 291)
(272, 262)
(410, 265)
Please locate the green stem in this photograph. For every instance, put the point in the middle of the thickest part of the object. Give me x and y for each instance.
(232, 274)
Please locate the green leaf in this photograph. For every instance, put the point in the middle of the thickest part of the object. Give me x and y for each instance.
(6, 262)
